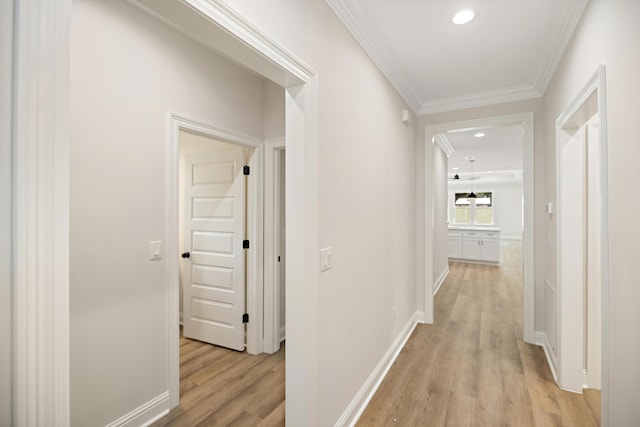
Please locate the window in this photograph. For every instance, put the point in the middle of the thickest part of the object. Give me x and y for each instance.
(478, 211)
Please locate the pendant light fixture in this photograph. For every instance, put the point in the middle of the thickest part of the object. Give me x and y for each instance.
(472, 195)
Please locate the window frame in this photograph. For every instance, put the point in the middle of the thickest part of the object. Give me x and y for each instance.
(472, 204)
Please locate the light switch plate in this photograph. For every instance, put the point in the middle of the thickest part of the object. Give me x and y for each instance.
(325, 259)
(155, 248)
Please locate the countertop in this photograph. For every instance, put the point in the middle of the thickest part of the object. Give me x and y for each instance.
(473, 228)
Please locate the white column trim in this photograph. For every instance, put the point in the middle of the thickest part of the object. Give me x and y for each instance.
(271, 245)
(41, 213)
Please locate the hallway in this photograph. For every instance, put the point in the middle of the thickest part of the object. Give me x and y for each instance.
(471, 367)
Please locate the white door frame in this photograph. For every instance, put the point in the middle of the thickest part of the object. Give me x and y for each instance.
(273, 147)
(41, 245)
(40, 235)
(527, 121)
(591, 99)
(254, 209)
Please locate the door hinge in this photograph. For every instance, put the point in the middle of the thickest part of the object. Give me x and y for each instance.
(278, 258)
(245, 244)
(246, 170)
(245, 318)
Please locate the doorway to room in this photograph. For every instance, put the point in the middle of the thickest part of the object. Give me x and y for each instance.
(525, 123)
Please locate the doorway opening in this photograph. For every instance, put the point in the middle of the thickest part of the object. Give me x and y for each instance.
(581, 298)
(526, 124)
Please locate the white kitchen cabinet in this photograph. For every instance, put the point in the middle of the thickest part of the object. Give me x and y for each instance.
(474, 244)
(455, 244)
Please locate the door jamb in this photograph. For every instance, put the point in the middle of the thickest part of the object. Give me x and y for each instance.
(597, 85)
(254, 234)
(271, 247)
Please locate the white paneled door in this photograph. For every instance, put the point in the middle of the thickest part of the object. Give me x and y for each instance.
(213, 288)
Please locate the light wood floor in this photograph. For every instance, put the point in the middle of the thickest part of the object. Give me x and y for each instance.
(221, 387)
(471, 367)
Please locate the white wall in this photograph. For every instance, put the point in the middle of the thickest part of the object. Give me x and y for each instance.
(440, 229)
(608, 34)
(507, 204)
(128, 71)
(274, 111)
(535, 106)
(366, 199)
(6, 50)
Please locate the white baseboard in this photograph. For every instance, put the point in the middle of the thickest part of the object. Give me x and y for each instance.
(420, 316)
(182, 318)
(146, 414)
(543, 341)
(438, 283)
(283, 333)
(368, 389)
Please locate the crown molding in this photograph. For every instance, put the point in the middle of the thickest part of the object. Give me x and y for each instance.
(351, 16)
(558, 37)
(443, 142)
(479, 99)
(228, 35)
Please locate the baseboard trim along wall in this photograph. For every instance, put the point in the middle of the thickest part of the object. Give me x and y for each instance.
(420, 316)
(440, 281)
(543, 341)
(146, 414)
(368, 389)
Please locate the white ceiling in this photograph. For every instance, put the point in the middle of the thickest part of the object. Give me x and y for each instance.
(507, 53)
(498, 153)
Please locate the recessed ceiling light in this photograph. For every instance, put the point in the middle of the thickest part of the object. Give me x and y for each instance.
(479, 135)
(464, 16)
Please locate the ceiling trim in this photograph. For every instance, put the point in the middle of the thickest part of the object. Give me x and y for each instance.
(443, 142)
(558, 39)
(351, 18)
(479, 99)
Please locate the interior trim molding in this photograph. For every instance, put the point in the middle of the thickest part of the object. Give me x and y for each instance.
(40, 235)
(420, 316)
(146, 413)
(440, 280)
(273, 333)
(557, 41)
(444, 144)
(479, 99)
(350, 15)
(236, 25)
(368, 389)
(543, 341)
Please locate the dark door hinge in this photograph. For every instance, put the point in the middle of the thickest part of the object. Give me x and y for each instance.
(245, 318)
(246, 170)
(245, 244)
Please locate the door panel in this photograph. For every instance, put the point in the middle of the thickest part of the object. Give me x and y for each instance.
(214, 229)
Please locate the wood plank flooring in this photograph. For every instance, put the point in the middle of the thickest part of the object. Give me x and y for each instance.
(471, 367)
(222, 387)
